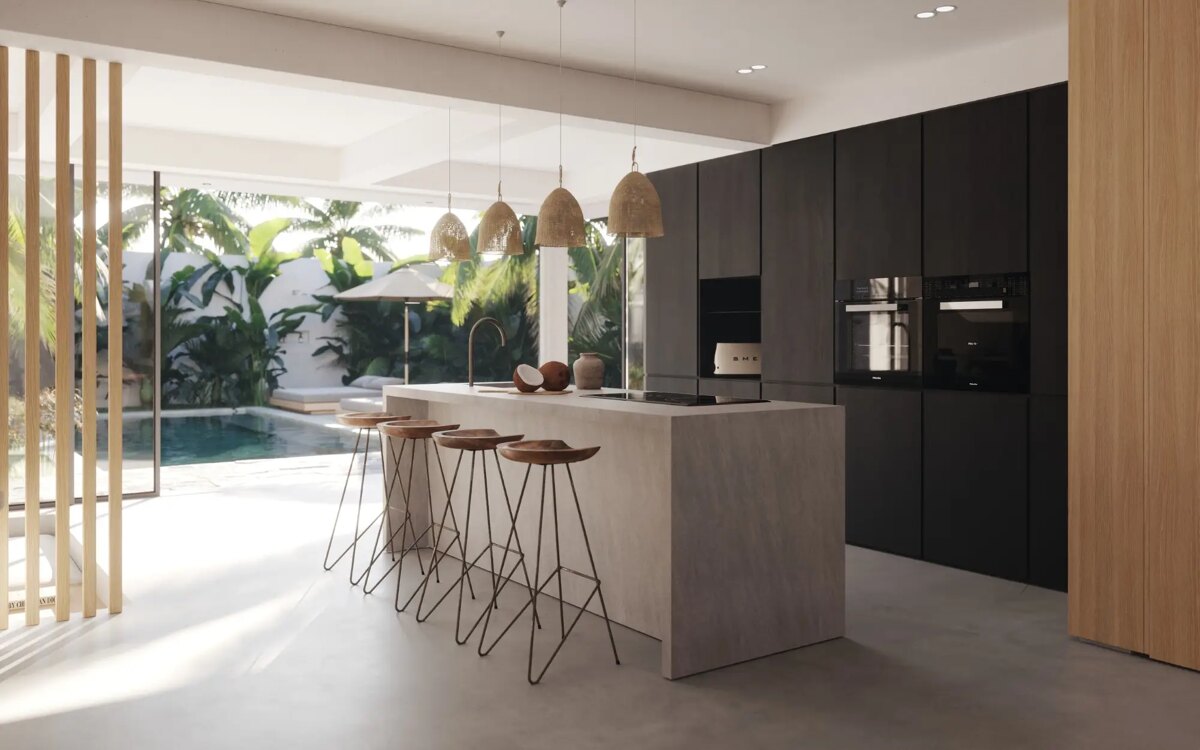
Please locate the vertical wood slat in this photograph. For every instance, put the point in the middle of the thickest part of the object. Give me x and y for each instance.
(115, 296)
(64, 365)
(88, 339)
(1173, 332)
(4, 249)
(1106, 311)
(33, 274)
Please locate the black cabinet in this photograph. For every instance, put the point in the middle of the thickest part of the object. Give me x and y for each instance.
(883, 468)
(730, 388)
(671, 385)
(976, 482)
(1048, 492)
(879, 200)
(806, 394)
(976, 188)
(1048, 240)
(797, 261)
(671, 291)
(730, 229)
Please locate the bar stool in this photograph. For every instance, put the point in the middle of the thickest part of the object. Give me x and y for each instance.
(366, 423)
(414, 433)
(480, 442)
(549, 454)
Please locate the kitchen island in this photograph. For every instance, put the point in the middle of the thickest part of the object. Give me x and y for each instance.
(718, 530)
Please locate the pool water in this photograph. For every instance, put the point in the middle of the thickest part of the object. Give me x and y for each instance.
(230, 437)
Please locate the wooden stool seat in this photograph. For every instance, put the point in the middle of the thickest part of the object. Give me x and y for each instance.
(473, 439)
(545, 452)
(366, 419)
(414, 429)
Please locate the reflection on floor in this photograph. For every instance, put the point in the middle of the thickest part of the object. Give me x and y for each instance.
(233, 636)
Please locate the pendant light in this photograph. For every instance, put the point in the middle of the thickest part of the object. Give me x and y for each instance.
(500, 229)
(635, 209)
(560, 220)
(449, 240)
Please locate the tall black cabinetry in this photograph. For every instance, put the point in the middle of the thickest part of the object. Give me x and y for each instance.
(729, 221)
(671, 268)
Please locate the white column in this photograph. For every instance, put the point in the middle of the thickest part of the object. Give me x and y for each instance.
(552, 304)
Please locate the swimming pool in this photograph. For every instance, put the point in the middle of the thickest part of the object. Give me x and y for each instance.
(214, 438)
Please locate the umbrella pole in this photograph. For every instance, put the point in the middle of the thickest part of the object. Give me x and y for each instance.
(406, 343)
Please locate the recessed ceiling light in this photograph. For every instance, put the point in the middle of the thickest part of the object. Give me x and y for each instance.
(946, 8)
(758, 67)
(744, 71)
(926, 14)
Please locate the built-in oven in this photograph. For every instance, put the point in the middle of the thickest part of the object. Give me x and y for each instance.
(878, 336)
(978, 335)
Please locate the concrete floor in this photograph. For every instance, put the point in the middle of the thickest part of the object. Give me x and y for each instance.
(234, 637)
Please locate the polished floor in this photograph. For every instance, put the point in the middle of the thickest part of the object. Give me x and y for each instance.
(234, 637)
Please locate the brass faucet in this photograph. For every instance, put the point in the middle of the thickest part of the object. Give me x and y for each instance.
(471, 346)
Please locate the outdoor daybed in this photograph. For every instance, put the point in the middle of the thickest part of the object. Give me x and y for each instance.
(327, 399)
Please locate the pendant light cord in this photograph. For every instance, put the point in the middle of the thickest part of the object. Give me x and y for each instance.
(635, 84)
(449, 159)
(561, 3)
(499, 129)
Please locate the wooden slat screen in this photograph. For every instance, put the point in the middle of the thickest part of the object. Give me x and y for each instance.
(33, 280)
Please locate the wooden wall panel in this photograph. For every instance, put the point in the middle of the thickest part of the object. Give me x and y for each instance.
(1173, 332)
(1106, 472)
(33, 279)
(115, 339)
(64, 328)
(88, 338)
(4, 353)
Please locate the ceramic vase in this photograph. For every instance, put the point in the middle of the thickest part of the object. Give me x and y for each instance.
(589, 372)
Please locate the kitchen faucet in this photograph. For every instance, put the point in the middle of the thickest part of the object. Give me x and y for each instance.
(471, 346)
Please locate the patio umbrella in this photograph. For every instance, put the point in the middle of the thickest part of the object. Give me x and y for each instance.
(408, 285)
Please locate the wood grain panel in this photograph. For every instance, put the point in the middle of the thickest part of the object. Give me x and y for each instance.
(33, 278)
(115, 339)
(4, 353)
(64, 322)
(1106, 471)
(1173, 332)
(88, 338)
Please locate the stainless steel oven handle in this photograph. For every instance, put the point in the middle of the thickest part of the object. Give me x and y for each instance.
(877, 307)
(975, 304)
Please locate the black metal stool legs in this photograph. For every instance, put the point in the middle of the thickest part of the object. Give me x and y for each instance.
(406, 525)
(359, 532)
(557, 573)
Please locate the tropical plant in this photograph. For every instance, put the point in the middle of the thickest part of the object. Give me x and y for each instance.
(237, 359)
(597, 302)
(17, 235)
(335, 221)
(47, 423)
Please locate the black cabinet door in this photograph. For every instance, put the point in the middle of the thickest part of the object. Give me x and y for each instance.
(730, 388)
(976, 188)
(805, 394)
(976, 482)
(671, 385)
(671, 285)
(883, 468)
(1048, 240)
(1048, 492)
(730, 228)
(879, 200)
(797, 261)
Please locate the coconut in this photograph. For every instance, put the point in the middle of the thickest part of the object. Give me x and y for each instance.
(527, 378)
(556, 376)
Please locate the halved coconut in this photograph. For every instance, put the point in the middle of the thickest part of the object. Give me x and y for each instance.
(527, 379)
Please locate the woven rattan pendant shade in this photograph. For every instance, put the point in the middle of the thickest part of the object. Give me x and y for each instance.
(449, 239)
(500, 231)
(635, 209)
(560, 221)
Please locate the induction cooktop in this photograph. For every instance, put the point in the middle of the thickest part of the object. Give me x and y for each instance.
(675, 399)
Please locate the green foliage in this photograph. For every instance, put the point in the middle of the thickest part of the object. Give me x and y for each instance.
(334, 222)
(46, 417)
(597, 304)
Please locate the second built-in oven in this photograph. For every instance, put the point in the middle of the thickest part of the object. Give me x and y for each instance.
(878, 336)
(978, 335)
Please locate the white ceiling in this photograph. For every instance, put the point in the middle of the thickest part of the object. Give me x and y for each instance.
(305, 112)
(698, 44)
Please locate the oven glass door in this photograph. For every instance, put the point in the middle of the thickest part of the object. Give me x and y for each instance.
(879, 342)
(982, 345)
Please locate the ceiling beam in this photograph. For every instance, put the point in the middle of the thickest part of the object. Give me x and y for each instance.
(184, 34)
